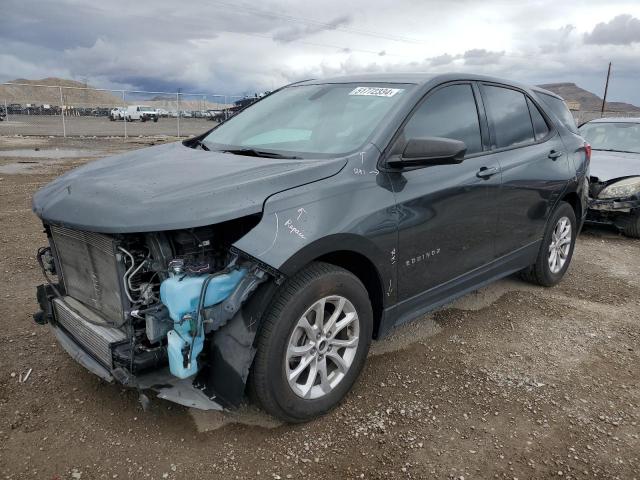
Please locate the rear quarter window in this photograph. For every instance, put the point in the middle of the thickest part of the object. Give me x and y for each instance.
(560, 109)
(540, 127)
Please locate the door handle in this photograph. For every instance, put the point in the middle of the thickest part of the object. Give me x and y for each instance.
(487, 172)
(554, 154)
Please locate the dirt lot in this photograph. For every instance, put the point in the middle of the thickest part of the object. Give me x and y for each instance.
(512, 381)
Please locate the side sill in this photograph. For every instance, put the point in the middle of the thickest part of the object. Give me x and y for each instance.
(425, 302)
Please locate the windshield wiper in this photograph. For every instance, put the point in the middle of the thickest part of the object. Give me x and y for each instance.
(251, 152)
(201, 144)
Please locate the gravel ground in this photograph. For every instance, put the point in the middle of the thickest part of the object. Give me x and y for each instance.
(512, 381)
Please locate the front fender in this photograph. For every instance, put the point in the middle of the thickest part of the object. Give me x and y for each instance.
(341, 213)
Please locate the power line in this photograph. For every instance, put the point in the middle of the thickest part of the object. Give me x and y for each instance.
(258, 12)
(380, 53)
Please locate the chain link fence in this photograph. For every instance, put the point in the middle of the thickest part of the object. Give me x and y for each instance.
(71, 111)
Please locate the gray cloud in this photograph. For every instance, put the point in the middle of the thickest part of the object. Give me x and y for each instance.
(622, 30)
(480, 56)
(444, 59)
(215, 46)
(296, 32)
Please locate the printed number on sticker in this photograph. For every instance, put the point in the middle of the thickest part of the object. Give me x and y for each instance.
(375, 91)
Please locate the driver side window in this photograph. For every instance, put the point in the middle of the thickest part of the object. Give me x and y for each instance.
(450, 112)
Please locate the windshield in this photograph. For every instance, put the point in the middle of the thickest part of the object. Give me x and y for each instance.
(330, 119)
(617, 136)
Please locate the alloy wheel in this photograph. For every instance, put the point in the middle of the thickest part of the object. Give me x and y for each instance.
(322, 347)
(560, 245)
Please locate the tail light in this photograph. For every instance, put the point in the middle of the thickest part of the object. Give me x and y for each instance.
(587, 151)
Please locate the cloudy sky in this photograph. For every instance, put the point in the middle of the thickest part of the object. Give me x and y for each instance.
(242, 46)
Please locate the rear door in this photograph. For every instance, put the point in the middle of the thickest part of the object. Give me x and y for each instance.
(533, 162)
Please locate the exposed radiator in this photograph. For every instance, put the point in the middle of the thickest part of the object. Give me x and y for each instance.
(90, 270)
(96, 339)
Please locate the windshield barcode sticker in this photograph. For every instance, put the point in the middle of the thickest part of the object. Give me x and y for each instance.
(375, 91)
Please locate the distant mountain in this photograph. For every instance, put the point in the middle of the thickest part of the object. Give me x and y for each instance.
(588, 101)
(30, 93)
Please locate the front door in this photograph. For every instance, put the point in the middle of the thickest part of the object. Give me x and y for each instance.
(446, 221)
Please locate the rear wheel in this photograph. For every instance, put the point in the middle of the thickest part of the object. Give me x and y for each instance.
(556, 250)
(313, 343)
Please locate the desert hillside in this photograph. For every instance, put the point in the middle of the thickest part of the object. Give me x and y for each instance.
(587, 100)
(47, 95)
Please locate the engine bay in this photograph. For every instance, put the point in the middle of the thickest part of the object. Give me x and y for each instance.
(161, 293)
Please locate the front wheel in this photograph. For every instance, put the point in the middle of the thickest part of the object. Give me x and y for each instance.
(313, 343)
(631, 225)
(556, 250)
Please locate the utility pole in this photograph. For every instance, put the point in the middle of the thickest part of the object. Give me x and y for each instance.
(606, 89)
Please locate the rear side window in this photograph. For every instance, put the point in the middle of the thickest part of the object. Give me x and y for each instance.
(508, 114)
(559, 108)
(540, 127)
(450, 112)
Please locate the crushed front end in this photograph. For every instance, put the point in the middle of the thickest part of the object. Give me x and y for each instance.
(164, 311)
(614, 202)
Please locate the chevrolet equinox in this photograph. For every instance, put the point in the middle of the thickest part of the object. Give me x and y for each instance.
(263, 256)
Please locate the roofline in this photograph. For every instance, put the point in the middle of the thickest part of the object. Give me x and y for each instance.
(544, 91)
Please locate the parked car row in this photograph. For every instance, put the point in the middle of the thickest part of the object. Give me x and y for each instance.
(145, 113)
(131, 113)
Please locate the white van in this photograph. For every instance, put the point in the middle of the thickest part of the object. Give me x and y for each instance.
(142, 113)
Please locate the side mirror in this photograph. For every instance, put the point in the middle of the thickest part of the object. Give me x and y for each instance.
(430, 151)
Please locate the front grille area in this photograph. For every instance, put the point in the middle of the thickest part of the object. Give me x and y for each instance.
(82, 324)
(90, 270)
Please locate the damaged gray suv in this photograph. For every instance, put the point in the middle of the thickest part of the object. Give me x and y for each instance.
(263, 256)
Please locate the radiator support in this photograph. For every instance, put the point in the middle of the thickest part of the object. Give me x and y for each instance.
(88, 329)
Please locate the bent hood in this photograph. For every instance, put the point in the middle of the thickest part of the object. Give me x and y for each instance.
(170, 187)
(606, 166)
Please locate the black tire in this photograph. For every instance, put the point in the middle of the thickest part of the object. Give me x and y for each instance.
(540, 272)
(268, 384)
(631, 225)
(155, 119)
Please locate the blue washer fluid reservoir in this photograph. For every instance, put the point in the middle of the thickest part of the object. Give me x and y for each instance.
(180, 294)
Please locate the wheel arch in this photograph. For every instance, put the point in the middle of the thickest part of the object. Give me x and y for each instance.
(573, 199)
(366, 272)
(354, 255)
